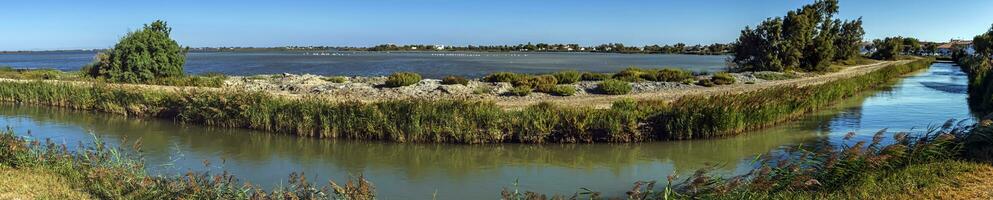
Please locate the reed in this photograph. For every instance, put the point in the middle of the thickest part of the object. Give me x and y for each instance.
(455, 121)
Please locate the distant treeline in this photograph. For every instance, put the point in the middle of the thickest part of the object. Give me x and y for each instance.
(678, 48)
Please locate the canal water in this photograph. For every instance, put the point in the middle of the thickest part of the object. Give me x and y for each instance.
(445, 171)
(428, 64)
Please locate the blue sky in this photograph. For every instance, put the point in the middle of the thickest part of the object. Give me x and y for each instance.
(72, 24)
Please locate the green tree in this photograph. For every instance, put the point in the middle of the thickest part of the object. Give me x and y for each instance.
(805, 39)
(849, 42)
(888, 48)
(757, 49)
(983, 44)
(141, 56)
(911, 46)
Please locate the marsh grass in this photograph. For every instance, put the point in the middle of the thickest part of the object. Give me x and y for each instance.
(457, 121)
(203, 80)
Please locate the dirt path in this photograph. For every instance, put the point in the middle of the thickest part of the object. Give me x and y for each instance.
(591, 100)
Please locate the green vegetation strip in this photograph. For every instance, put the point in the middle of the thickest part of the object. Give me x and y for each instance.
(455, 121)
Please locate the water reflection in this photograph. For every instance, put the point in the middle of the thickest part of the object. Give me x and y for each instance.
(479, 171)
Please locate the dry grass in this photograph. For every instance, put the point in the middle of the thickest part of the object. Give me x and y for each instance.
(36, 184)
(977, 183)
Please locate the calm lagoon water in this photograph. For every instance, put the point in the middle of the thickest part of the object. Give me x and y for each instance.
(429, 64)
(418, 171)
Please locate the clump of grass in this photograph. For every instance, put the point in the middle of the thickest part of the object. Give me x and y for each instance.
(568, 77)
(706, 83)
(452, 80)
(562, 90)
(336, 79)
(204, 80)
(519, 91)
(401, 79)
(506, 77)
(590, 76)
(483, 89)
(672, 75)
(631, 74)
(535, 82)
(722, 78)
(614, 87)
(772, 76)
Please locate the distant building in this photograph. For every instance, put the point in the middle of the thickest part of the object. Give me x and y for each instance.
(439, 47)
(947, 49)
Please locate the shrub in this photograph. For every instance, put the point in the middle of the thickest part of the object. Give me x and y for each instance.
(673, 75)
(452, 80)
(536, 82)
(568, 77)
(774, 75)
(705, 83)
(630, 74)
(336, 79)
(562, 90)
(614, 87)
(722, 78)
(141, 56)
(589, 76)
(483, 89)
(519, 91)
(401, 79)
(506, 77)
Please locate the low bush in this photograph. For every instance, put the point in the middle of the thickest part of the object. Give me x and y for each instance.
(562, 90)
(506, 77)
(519, 91)
(401, 79)
(614, 87)
(722, 78)
(452, 80)
(705, 83)
(568, 77)
(672, 75)
(536, 81)
(336, 79)
(590, 76)
(772, 76)
(630, 74)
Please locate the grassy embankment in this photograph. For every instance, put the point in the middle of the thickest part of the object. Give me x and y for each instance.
(204, 80)
(692, 117)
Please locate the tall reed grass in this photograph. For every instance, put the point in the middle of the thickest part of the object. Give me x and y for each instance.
(456, 121)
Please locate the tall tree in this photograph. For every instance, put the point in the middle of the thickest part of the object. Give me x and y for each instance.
(849, 42)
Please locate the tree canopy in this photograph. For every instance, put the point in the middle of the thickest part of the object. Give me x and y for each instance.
(141, 56)
(806, 39)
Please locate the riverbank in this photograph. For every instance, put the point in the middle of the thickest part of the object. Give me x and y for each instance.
(464, 121)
